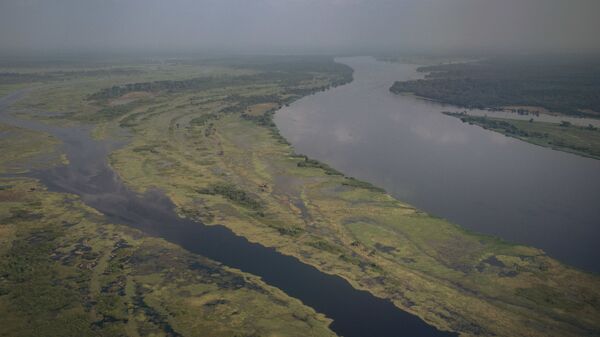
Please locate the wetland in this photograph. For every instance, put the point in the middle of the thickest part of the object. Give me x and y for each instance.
(189, 154)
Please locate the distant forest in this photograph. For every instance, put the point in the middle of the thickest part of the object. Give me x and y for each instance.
(287, 72)
(569, 85)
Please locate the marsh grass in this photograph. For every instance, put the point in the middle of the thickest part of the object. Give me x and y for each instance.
(219, 169)
(66, 273)
(583, 141)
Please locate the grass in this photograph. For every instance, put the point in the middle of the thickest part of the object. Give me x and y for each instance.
(70, 97)
(64, 272)
(563, 84)
(23, 150)
(234, 194)
(343, 226)
(260, 109)
(218, 164)
(583, 141)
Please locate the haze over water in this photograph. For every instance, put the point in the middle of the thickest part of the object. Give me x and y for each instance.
(299, 26)
(478, 179)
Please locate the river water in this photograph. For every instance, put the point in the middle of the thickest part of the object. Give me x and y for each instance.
(478, 179)
(355, 313)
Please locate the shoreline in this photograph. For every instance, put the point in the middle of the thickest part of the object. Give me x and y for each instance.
(535, 138)
(421, 263)
(90, 132)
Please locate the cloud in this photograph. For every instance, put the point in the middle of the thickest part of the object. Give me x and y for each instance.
(296, 25)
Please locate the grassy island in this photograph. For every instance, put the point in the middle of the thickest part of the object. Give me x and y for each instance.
(584, 141)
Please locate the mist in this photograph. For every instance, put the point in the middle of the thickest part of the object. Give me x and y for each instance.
(301, 26)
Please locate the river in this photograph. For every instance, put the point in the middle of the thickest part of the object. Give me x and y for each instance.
(355, 313)
(476, 178)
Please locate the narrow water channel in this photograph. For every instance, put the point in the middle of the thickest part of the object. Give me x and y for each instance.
(476, 178)
(355, 313)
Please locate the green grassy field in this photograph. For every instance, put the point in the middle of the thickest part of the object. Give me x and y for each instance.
(65, 272)
(24, 149)
(584, 141)
(223, 162)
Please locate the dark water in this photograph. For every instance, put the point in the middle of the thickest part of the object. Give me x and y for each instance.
(354, 312)
(476, 178)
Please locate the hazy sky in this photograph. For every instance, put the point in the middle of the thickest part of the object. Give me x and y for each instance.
(300, 25)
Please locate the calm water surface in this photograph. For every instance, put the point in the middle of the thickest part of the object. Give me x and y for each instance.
(355, 313)
(476, 178)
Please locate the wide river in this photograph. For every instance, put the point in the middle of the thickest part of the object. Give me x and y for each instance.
(478, 179)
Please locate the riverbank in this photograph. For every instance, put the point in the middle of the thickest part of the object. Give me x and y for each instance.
(582, 141)
(355, 313)
(220, 165)
(520, 85)
(66, 270)
(229, 169)
(68, 273)
(462, 173)
(566, 85)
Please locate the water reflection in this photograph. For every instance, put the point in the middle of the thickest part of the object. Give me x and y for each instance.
(355, 313)
(476, 178)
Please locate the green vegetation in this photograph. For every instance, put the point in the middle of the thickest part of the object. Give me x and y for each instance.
(232, 166)
(286, 73)
(584, 141)
(362, 184)
(23, 149)
(558, 84)
(421, 59)
(234, 194)
(69, 98)
(64, 272)
(56, 75)
(523, 85)
(307, 162)
(111, 112)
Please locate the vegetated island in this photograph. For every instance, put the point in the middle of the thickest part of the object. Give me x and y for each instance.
(65, 271)
(568, 86)
(566, 137)
(203, 132)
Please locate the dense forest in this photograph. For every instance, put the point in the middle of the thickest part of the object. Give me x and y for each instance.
(569, 85)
